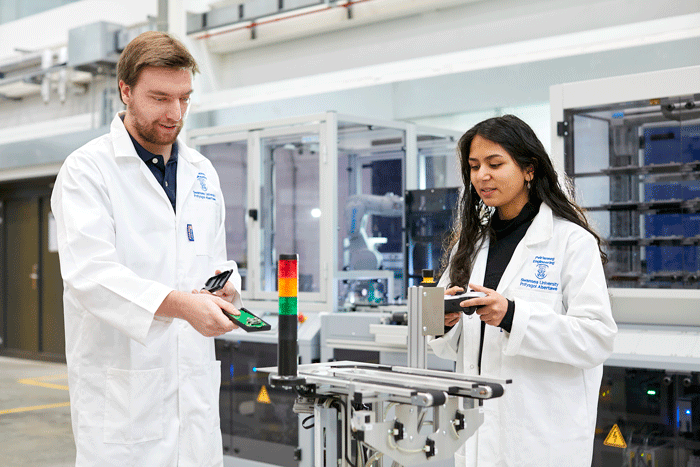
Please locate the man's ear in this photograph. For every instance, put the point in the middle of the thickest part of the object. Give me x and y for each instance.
(125, 91)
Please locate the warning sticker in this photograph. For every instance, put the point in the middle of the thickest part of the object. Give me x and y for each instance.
(264, 397)
(615, 438)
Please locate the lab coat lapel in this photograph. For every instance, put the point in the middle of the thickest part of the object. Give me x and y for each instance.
(540, 230)
(520, 255)
(186, 178)
(124, 147)
(479, 269)
(188, 167)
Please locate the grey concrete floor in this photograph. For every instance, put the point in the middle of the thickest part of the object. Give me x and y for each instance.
(35, 428)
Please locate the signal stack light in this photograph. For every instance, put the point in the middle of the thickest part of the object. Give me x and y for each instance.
(287, 285)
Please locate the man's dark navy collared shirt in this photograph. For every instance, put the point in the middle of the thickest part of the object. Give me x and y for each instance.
(166, 174)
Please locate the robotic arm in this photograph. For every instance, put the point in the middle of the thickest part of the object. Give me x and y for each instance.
(360, 250)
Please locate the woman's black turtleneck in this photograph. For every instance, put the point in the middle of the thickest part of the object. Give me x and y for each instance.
(506, 236)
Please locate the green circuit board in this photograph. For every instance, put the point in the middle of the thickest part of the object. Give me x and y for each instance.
(249, 322)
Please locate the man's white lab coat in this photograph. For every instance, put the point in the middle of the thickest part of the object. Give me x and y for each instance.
(144, 390)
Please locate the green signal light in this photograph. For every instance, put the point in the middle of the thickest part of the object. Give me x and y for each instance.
(651, 392)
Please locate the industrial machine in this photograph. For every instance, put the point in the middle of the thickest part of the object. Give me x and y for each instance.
(360, 249)
(631, 146)
(358, 163)
(347, 162)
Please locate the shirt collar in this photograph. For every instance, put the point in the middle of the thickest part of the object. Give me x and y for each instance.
(122, 147)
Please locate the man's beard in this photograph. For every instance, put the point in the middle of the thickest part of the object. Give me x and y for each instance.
(149, 133)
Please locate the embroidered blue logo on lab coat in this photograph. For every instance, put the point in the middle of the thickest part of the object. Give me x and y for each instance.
(204, 186)
(190, 233)
(202, 178)
(541, 264)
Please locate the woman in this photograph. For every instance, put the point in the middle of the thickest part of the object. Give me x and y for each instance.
(545, 322)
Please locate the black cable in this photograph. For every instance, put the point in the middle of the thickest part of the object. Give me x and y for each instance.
(303, 423)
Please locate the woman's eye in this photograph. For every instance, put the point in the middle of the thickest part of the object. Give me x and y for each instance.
(495, 166)
(474, 167)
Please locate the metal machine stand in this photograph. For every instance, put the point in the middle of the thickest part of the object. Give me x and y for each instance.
(351, 404)
(426, 317)
(362, 412)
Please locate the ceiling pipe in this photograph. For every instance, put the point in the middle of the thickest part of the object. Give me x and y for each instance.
(311, 21)
(20, 64)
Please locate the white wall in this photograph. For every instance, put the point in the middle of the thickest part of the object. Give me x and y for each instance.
(481, 55)
(474, 26)
(446, 66)
(50, 28)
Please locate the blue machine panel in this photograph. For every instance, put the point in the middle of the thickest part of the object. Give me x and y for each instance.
(667, 145)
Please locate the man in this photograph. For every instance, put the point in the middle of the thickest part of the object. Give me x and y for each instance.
(140, 221)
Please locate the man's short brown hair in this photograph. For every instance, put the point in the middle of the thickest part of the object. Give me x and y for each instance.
(152, 48)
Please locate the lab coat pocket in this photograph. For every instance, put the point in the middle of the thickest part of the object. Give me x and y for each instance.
(553, 300)
(133, 405)
(202, 408)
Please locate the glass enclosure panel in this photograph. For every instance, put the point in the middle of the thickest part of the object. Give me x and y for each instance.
(636, 167)
(289, 208)
(438, 166)
(257, 431)
(231, 162)
(370, 211)
(429, 216)
(591, 142)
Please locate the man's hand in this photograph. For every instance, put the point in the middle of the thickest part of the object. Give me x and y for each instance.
(228, 292)
(208, 318)
(202, 310)
(453, 318)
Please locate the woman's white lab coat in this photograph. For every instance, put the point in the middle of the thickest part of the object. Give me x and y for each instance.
(144, 391)
(562, 332)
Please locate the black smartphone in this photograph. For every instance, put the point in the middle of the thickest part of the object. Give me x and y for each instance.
(452, 302)
(248, 321)
(218, 281)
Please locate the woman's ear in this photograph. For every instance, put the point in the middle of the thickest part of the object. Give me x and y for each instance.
(530, 173)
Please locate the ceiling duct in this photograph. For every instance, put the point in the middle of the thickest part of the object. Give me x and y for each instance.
(94, 46)
(225, 30)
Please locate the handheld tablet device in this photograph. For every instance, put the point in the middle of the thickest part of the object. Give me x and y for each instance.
(248, 321)
(218, 281)
(452, 302)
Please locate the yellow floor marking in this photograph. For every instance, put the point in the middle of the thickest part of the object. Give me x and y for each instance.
(51, 377)
(36, 407)
(33, 382)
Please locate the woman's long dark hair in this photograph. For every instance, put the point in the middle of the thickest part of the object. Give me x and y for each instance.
(472, 217)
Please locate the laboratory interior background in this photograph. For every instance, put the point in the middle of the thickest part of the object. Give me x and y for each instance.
(333, 126)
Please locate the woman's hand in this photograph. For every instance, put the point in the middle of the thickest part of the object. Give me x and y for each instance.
(453, 318)
(492, 307)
